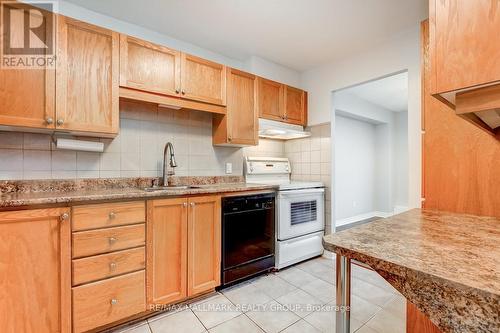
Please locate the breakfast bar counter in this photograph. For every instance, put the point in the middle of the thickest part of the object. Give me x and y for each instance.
(447, 265)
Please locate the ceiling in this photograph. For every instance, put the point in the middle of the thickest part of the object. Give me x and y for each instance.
(390, 93)
(299, 34)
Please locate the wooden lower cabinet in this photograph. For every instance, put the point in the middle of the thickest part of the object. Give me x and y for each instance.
(92, 242)
(204, 244)
(183, 248)
(166, 251)
(100, 303)
(35, 271)
(416, 321)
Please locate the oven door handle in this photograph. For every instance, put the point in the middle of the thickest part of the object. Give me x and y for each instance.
(291, 193)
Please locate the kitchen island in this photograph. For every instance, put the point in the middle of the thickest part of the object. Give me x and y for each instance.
(445, 264)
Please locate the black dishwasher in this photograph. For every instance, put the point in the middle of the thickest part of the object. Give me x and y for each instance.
(248, 236)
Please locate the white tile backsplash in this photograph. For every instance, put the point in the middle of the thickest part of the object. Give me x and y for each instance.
(63, 160)
(311, 161)
(37, 160)
(9, 140)
(136, 151)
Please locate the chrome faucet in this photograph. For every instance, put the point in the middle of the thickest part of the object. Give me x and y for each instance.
(171, 162)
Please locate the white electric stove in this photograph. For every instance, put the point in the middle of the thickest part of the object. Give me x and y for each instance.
(300, 211)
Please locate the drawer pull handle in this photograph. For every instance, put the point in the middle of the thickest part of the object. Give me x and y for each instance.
(112, 215)
(112, 240)
(112, 266)
(114, 301)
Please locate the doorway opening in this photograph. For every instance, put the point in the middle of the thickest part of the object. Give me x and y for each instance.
(370, 151)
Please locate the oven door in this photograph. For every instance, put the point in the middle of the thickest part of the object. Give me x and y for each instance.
(300, 212)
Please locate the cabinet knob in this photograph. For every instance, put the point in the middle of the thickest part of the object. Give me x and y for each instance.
(192, 204)
(112, 215)
(230, 138)
(183, 92)
(112, 240)
(49, 121)
(114, 301)
(64, 217)
(112, 266)
(185, 204)
(177, 91)
(60, 122)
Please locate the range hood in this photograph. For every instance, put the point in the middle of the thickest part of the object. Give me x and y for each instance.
(280, 131)
(480, 105)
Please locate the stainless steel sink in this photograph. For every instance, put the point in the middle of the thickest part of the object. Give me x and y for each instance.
(168, 188)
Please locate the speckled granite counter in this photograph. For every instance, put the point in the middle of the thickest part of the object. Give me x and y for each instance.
(36, 193)
(448, 265)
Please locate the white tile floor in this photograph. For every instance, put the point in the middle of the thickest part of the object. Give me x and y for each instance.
(298, 299)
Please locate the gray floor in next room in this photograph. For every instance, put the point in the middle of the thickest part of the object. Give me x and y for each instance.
(296, 299)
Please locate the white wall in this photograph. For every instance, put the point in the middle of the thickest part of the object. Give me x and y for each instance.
(399, 54)
(401, 159)
(384, 171)
(273, 71)
(355, 175)
(389, 168)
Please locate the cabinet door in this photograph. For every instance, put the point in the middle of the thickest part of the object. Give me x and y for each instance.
(166, 251)
(204, 244)
(465, 42)
(241, 108)
(270, 99)
(203, 80)
(35, 270)
(149, 67)
(295, 106)
(87, 78)
(27, 96)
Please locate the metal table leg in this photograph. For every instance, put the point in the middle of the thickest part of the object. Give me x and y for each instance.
(343, 299)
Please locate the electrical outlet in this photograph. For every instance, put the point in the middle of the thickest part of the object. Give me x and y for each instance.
(229, 168)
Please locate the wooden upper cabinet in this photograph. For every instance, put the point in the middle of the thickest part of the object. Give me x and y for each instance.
(35, 288)
(270, 99)
(295, 106)
(149, 67)
(204, 244)
(166, 251)
(464, 43)
(87, 78)
(240, 125)
(203, 80)
(27, 96)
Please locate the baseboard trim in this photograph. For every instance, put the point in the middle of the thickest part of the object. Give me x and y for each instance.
(361, 217)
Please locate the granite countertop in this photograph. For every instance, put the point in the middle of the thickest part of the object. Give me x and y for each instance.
(36, 193)
(447, 264)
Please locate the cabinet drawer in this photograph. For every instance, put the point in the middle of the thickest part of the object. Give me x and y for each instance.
(108, 215)
(104, 302)
(107, 265)
(88, 243)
